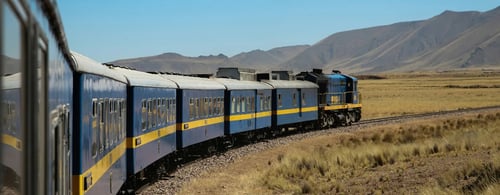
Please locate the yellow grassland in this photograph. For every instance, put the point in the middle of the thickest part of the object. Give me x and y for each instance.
(401, 94)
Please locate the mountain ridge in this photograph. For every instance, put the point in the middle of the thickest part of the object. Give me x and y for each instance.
(449, 40)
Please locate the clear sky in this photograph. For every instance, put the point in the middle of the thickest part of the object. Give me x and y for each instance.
(116, 29)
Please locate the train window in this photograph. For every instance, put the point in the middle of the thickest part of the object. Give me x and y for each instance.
(303, 98)
(294, 99)
(155, 112)
(238, 104)
(268, 103)
(198, 107)
(174, 110)
(144, 117)
(170, 110)
(233, 105)
(210, 107)
(243, 103)
(191, 108)
(279, 101)
(252, 104)
(107, 122)
(216, 106)
(164, 110)
(124, 118)
(263, 103)
(100, 129)
(148, 118)
(94, 108)
(158, 112)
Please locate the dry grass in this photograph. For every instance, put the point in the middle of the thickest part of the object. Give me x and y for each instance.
(408, 158)
(324, 169)
(429, 92)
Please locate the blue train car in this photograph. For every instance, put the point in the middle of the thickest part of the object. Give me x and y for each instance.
(99, 138)
(248, 105)
(36, 99)
(200, 109)
(294, 102)
(151, 132)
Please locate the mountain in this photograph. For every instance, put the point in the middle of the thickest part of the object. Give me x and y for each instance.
(450, 40)
(173, 62)
(266, 60)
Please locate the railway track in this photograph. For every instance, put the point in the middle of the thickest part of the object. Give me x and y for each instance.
(421, 115)
(173, 181)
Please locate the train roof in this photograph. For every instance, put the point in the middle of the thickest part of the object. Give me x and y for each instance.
(86, 65)
(233, 84)
(188, 82)
(143, 79)
(290, 84)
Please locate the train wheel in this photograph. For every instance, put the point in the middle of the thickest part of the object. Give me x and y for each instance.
(331, 121)
(324, 121)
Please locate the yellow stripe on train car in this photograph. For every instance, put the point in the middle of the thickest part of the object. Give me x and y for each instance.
(12, 141)
(343, 106)
(249, 116)
(296, 110)
(201, 123)
(94, 173)
(138, 141)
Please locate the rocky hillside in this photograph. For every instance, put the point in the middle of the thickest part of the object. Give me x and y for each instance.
(451, 40)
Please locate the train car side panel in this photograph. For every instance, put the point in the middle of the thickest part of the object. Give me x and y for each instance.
(196, 124)
(153, 130)
(100, 163)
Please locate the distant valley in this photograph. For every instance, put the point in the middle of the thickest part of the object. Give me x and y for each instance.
(450, 40)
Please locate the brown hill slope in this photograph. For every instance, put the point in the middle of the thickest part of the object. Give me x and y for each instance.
(448, 41)
(266, 60)
(173, 62)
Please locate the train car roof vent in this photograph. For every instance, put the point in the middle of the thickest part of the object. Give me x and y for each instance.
(244, 74)
(336, 71)
(317, 71)
(282, 75)
(262, 76)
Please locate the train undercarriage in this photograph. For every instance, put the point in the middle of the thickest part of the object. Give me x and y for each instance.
(334, 118)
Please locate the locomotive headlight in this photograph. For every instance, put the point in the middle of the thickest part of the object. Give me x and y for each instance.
(138, 141)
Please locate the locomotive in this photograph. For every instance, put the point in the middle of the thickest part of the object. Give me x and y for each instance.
(71, 125)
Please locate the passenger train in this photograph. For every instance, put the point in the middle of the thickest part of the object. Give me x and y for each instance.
(71, 125)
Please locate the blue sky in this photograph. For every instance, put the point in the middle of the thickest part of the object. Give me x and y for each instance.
(117, 29)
